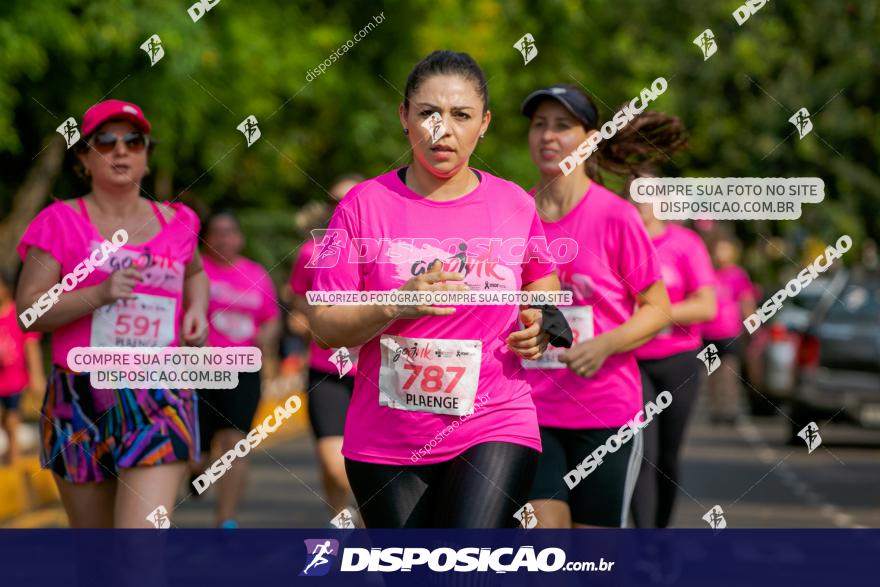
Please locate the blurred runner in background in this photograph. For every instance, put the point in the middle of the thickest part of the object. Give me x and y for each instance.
(243, 312)
(328, 393)
(669, 362)
(21, 366)
(735, 300)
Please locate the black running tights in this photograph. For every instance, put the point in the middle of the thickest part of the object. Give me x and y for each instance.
(480, 488)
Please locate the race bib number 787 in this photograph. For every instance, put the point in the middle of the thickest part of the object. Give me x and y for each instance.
(429, 375)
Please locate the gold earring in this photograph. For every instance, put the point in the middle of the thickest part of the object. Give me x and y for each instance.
(88, 172)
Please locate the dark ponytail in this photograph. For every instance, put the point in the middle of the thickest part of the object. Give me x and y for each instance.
(635, 150)
(447, 63)
(639, 146)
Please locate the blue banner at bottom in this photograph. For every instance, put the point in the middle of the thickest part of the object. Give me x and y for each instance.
(188, 558)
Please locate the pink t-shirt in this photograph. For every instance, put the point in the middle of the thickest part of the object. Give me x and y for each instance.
(615, 262)
(153, 319)
(301, 280)
(733, 284)
(242, 298)
(13, 367)
(385, 208)
(685, 266)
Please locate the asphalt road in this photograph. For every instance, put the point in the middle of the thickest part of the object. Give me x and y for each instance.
(747, 469)
(760, 482)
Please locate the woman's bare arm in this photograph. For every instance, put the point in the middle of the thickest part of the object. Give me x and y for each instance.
(40, 272)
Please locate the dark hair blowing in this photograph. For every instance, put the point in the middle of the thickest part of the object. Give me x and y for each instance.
(635, 150)
(447, 63)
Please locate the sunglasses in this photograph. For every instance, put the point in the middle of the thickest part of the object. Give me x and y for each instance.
(105, 142)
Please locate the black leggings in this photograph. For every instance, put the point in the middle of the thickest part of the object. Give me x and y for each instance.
(657, 485)
(480, 488)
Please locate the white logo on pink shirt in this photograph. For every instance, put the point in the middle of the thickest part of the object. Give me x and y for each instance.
(233, 325)
(225, 293)
(158, 270)
(480, 273)
(581, 286)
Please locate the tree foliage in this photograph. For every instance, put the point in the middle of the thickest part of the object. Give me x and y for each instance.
(57, 57)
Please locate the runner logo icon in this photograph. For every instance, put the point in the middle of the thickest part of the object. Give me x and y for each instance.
(434, 124)
(342, 359)
(159, 518)
(810, 434)
(69, 131)
(801, 121)
(328, 247)
(709, 356)
(250, 129)
(320, 554)
(343, 520)
(715, 518)
(526, 46)
(526, 516)
(153, 48)
(706, 43)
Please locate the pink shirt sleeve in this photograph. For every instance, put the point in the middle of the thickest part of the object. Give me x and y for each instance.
(269, 309)
(191, 220)
(697, 266)
(743, 287)
(339, 274)
(300, 276)
(637, 262)
(45, 232)
(539, 262)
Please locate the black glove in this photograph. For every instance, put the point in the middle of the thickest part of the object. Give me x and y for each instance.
(555, 324)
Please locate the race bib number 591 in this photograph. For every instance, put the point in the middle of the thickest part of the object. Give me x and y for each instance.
(429, 375)
(146, 321)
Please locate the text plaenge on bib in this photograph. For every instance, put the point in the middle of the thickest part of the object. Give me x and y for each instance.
(429, 375)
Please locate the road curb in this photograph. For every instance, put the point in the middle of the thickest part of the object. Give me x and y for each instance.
(24, 487)
(297, 424)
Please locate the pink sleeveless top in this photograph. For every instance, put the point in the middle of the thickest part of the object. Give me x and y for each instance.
(153, 319)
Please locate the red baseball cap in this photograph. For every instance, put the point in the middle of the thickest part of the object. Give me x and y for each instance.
(110, 109)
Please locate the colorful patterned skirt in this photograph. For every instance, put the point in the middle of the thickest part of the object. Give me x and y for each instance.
(89, 434)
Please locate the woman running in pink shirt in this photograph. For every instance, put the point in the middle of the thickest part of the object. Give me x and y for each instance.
(441, 430)
(117, 454)
(669, 363)
(589, 396)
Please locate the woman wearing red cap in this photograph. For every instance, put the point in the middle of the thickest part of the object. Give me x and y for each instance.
(118, 455)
